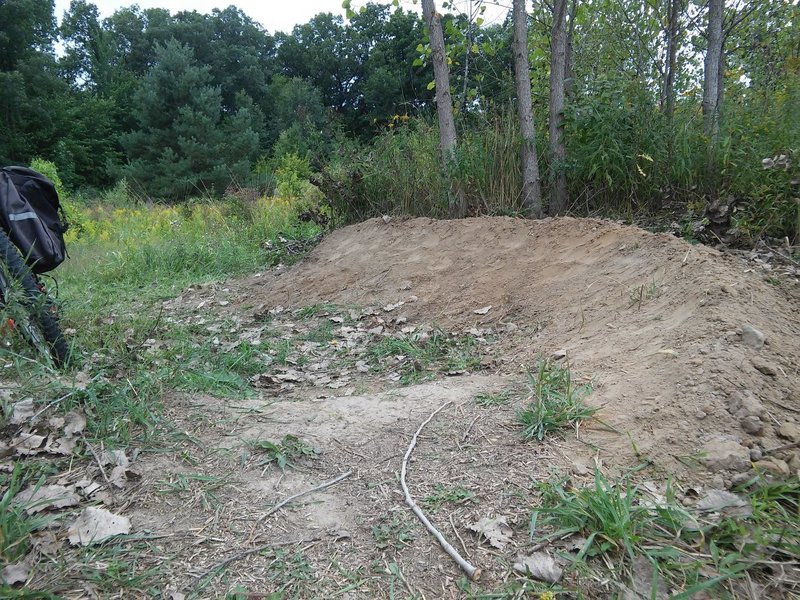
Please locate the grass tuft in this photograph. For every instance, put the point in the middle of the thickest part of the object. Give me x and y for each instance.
(556, 402)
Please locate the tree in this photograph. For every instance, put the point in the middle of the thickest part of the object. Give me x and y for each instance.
(457, 205)
(712, 75)
(185, 143)
(531, 188)
(558, 70)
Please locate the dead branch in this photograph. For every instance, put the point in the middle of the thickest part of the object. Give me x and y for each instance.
(271, 511)
(472, 572)
(321, 486)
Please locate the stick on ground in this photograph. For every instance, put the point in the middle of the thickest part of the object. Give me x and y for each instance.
(472, 572)
(273, 510)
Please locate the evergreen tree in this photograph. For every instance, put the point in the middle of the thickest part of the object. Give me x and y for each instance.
(185, 144)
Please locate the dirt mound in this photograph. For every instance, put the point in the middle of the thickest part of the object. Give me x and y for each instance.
(654, 321)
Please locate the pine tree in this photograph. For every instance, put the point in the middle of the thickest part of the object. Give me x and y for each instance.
(185, 144)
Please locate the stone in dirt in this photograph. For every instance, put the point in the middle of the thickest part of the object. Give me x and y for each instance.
(790, 431)
(773, 465)
(725, 454)
(752, 337)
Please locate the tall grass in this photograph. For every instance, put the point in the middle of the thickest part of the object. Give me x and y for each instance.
(623, 156)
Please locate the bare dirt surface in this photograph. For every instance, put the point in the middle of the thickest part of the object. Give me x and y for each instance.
(693, 357)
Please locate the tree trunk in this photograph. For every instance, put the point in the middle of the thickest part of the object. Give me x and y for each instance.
(457, 206)
(558, 46)
(531, 188)
(712, 85)
(668, 95)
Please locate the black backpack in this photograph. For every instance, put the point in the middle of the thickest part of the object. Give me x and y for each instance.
(31, 215)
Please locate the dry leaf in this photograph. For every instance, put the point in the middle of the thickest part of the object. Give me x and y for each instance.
(669, 352)
(496, 531)
(22, 411)
(47, 496)
(724, 502)
(28, 443)
(16, 573)
(46, 542)
(74, 423)
(482, 311)
(95, 525)
(63, 446)
(541, 566)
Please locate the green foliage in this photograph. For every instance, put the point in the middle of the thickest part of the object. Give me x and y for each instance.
(420, 354)
(615, 517)
(442, 495)
(185, 143)
(283, 453)
(556, 401)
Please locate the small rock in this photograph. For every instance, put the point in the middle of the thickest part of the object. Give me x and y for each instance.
(720, 454)
(744, 403)
(764, 367)
(752, 337)
(794, 462)
(700, 415)
(729, 290)
(752, 425)
(756, 454)
(773, 465)
(739, 479)
(790, 431)
(559, 355)
(580, 469)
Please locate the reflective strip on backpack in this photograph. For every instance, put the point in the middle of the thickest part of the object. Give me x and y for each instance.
(23, 216)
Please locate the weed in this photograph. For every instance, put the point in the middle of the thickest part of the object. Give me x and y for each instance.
(316, 310)
(419, 354)
(556, 401)
(442, 495)
(640, 293)
(692, 552)
(15, 524)
(392, 533)
(203, 487)
(487, 399)
(289, 449)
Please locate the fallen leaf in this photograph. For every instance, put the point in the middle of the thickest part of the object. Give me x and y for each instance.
(391, 307)
(95, 525)
(28, 443)
(541, 566)
(669, 352)
(74, 422)
(62, 446)
(47, 496)
(46, 542)
(16, 573)
(725, 502)
(482, 311)
(22, 411)
(496, 531)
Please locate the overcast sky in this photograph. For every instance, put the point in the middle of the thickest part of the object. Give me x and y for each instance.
(274, 15)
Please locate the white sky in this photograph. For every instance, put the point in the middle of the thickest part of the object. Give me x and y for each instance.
(273, 15)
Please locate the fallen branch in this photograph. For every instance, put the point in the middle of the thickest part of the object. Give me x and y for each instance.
(249, 552)
(321, 486)
(271, 511)
(472, 572)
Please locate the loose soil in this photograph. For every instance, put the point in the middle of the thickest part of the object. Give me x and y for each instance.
(652, 323)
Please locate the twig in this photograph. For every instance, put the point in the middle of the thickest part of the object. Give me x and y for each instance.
(282, 503)
(781, 448)
(463, 545)
(102, 470)
(247, 553)
(472, 572)
(321, 486)
(466, 433)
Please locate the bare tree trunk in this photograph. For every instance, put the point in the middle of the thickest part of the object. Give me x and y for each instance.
(558, 46)
(711, 77)
(668, 95)
(457, 206)
(531, 187)
(569, 74)
(711, 92)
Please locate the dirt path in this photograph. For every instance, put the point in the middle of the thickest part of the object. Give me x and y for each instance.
(692, 356)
